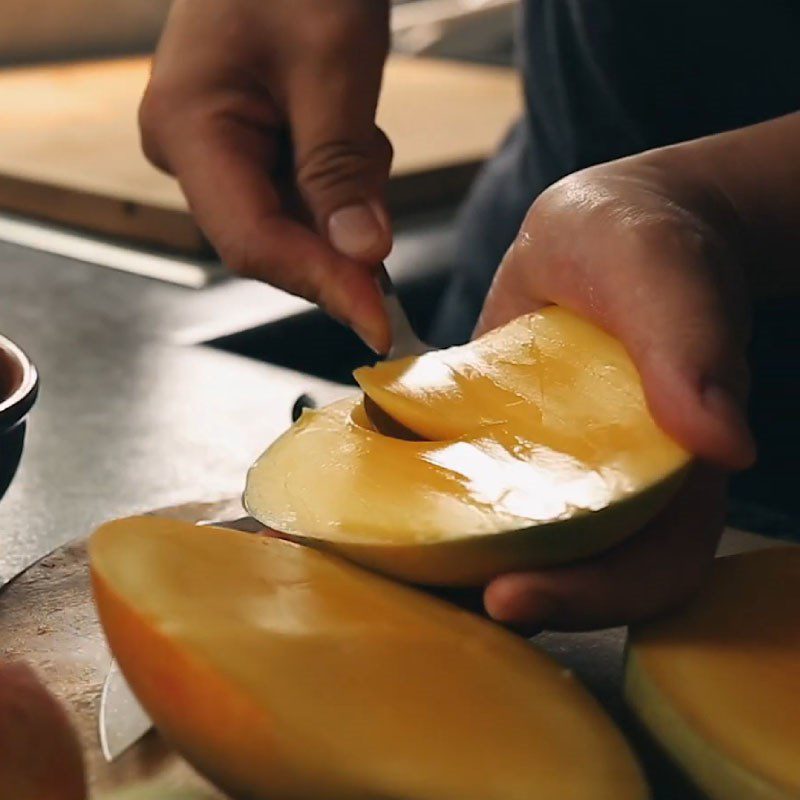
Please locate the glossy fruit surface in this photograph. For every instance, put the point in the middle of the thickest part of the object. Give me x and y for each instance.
(536, 448)
(282, 672)
(717, 682)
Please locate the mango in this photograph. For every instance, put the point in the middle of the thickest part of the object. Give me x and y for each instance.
(718, 682)
(285, 673)
(534, 447)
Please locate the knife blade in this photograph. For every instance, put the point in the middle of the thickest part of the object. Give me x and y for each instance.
(122, 720)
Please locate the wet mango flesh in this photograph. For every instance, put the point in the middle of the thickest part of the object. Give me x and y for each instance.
(285, 673)
(538, 430)
(718, 682)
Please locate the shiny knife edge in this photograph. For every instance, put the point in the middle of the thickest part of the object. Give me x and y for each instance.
(119, 707)
(122, 721)
(112, 744)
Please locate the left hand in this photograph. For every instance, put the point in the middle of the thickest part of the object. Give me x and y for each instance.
(648, 255)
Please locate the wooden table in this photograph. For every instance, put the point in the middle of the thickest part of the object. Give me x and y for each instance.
(70, 153)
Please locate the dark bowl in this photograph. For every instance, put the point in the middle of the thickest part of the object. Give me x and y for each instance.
(19, 384)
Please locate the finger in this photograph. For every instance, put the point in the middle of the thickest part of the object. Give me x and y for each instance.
(659, 296)
(651, 572)
(342, 159)
(688, 348)
(223, 168)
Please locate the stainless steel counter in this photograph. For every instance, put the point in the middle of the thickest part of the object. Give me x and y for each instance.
(133, 414)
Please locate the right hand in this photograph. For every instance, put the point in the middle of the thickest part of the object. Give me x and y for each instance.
(265, 113)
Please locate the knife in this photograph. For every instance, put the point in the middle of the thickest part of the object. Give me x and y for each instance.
(405, 341)
(122, 721)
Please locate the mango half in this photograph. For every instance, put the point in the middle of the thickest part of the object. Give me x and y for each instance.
(284, 673)
(718, 682)
(535, 447)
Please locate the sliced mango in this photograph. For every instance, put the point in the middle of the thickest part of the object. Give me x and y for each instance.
(284, 673)
(538, 449)
(718, 682)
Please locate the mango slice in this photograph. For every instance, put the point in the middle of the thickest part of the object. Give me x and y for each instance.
(284, 673)
(718, 682)
(537, 448)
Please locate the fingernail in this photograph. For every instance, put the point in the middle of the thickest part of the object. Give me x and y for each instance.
(721, 403)
(512, 601)
(381, 215)
(355, 230)
(371, 337)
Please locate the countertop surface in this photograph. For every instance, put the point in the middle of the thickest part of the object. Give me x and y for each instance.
(133, 414)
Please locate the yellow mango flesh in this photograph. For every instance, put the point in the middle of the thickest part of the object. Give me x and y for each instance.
(538, 449)
(550, 378)
(718, 682)
(284, 673)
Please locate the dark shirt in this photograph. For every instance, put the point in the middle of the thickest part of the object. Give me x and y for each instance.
(607, 78)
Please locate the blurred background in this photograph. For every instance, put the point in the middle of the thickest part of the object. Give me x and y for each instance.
(61, 29)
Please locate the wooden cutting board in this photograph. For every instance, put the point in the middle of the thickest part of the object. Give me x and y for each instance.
(47, 618)
(69, 144)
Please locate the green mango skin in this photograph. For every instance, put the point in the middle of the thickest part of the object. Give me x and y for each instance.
(476, 560)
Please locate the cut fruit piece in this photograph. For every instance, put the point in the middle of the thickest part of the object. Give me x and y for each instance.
(285, 673)
(551, 374)
(718, 682)
(540, 450)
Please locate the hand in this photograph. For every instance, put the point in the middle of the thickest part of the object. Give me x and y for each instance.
(265, 113)
(40, 758)
(649, 255)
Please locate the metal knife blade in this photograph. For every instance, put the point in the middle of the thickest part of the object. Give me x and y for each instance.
(122, 720)
(405, 341)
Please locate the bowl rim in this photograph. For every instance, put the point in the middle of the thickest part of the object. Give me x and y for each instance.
(14, 407)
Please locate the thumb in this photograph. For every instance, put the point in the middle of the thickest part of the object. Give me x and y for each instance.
(342, 159)
(674, 309)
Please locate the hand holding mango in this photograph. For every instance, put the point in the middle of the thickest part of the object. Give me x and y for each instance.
(661, 250)
(649, 249)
